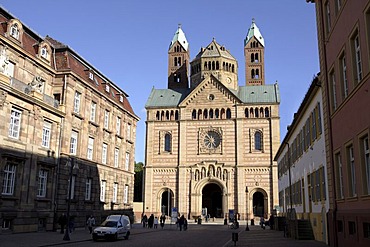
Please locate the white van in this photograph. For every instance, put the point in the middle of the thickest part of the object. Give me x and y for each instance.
(113, 228)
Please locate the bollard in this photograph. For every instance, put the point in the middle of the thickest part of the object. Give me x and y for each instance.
(234, 237)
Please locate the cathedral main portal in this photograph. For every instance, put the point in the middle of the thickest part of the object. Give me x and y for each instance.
(212, 200)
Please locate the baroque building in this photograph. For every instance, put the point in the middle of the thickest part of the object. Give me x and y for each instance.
(210, 142)
(67, 135)
(302, 170)
(344, 54)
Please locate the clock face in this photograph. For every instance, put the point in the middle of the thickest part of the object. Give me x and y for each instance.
(211, 139)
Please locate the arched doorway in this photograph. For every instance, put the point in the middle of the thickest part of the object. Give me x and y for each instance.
(166, 202)
(212, 200)
(258, 204)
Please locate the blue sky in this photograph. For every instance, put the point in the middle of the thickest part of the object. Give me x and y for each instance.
(128, 40)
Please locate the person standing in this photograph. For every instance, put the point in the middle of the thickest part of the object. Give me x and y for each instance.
(145, 220)
(90, 223)
(62, 222)
(162, 220)
(151, 221)
(181, 222)
(155, 222)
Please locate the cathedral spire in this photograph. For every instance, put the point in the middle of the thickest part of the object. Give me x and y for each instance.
(254, 50)
(178, 61)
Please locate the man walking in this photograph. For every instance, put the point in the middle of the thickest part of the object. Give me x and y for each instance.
(62, 222)
(90, 223)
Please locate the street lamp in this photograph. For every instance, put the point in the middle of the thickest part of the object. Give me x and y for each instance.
(246, 191)
(71, 164)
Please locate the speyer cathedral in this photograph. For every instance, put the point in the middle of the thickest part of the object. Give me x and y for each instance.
(210, 142)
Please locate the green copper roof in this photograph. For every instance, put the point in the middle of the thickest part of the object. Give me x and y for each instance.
(254, 31)
(180, 37)
(264, 94)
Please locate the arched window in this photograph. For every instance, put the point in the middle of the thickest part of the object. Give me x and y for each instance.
(258, 141)
(232, 68)
(256, 113)
(157, 115)
(252, 57)
(14, 31)
(213, 65)
(200, 114)
(217, 65)
(209, 65)
(217, 113)
(167, 142)
(205, 114)
(167, 115)
(175, 61)
(223, 65)
(176, 115)
(252, 73)
(228, 113)
(246, 113)
(205, 66)
(162, 115)
(211, 113)
(251, 112)
(257, 74)
(267, 112)
(194, 114)
(256, 57)
(261, 112)
(222, 113)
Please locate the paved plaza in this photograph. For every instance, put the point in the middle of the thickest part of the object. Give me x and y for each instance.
(140, 236)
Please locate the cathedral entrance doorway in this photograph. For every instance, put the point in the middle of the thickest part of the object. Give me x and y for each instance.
(258, 204)
(212, 200)
(166, 202)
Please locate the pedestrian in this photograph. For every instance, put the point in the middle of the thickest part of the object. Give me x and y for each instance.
(162, 220)
(144, 220)
(262, 222)
(181, 222)
(71, 225)
(62, 222)
(151, 221)
(90, 223)
(185, 224)
(271, 221)
(156, 222)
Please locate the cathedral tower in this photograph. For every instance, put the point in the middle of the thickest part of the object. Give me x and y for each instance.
(178, 61)
(254, 50)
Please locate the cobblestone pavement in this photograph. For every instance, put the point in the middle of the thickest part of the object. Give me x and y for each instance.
(256, 237)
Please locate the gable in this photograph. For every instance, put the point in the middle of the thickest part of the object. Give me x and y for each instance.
(210, 92)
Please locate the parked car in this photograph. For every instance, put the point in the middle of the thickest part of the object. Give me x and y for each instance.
(113, 228)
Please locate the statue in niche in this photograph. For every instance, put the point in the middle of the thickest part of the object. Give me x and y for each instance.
(4, 60)
(196, 175)
(203, 172)
(218, 173)
(211, 171)
(37, 84)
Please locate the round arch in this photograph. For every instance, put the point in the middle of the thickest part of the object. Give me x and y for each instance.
(259, 201)
(165, 201)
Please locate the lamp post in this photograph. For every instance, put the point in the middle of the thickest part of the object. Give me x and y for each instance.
(246, 191)
(71, 163)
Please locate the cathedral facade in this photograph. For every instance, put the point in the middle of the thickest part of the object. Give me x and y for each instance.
(210, 142)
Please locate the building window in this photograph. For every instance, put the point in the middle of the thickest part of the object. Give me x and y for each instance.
(343, 68)
(44, 52)
(351, 227)
(339, 174)
(106, 119)
(90, 148)
(118, 125)
(366, 227)
(42, 183)
(115, 192)
(103, 183)
(125, 194)
(9, 179)
(6, 224)
(121, 98)
(73, 144)
(14, 31)
(107, 88)
(116, 157)
(338, 5)
(333, 90)
(127, 161)
(128, 133)
(46, 131)
(351, 171)
(104, 153)
(167, 142)
(15, 123)
(91, 76)
(93, 111)
(258, 141)
(88, 189)
(77, 102)
(366, 163)
(356, 42)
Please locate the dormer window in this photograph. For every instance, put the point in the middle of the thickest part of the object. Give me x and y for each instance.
(121, 98)
(107, 88)
(44, 52)
(91, 76)
(14, 31)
